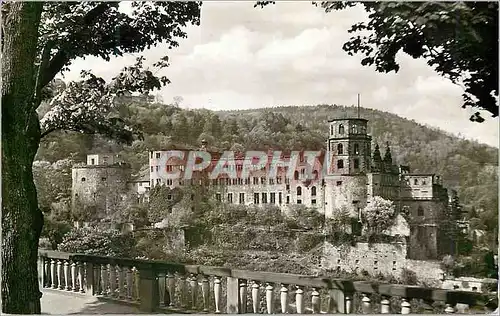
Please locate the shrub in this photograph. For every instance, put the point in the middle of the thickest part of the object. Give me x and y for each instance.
(96, 241)
(379, 214)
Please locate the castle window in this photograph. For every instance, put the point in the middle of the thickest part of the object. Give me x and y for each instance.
(354, 129)
(356, 149)
(157, 155)
(218, 197)
(103, 179)
(247, 181)
(280, 198)
(340, 164)
(92, 161)
(332, 128)
(299, 190)
(287, 199)
(152, 169)
(299, 201)
(255, 180)
(271, 181)
(356, 163)
(341, 129)
(151, 155)
(272, 198)
(313, 202)
(296, 175)
(288, 187)
(340, 149)
(256, 198)
(264, 198)
(170, 181)
(157, 168)
(230, 197)
(420, 211)
(169, 197)
(423, 182)
(339, 183)
(278, 180)
(242, 198)
(169, 168)
(415, 181)
(262, 180)
(83, 179)
(313, 191)
(315, 175)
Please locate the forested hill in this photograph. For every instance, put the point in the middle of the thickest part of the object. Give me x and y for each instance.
(466, 165)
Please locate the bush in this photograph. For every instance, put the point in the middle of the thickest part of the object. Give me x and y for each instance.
(96, 241)
(54, 231)
(408, 277)
(307, 242)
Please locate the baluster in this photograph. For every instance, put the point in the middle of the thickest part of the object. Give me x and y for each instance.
(59, 275)
(255, 297)
(97, 278)
(217, 293)
(385, 305)
(284, 299)
(183, 288)
(299, 296)
(205, 292)
(315, 301)
(53, 273)
(121, 282)
(405, 306)
(130, 281)
(104, 279)
(348, 303)
(171, 287)
(66, 276)
(243, 297)
(366, 304)
(73, 277)
(80, 277)
(449, 309)
(112, 280)
(46, 264)
(161, 288)
(270, 298)
(194, 289)
(136, 293)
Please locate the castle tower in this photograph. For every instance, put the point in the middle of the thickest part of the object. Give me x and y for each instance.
(349, 147)
(348, 161)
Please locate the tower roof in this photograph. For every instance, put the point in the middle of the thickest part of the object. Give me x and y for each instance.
(347, 119)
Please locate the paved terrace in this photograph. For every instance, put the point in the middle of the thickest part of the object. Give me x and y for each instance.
(55, 302)
(84, 284)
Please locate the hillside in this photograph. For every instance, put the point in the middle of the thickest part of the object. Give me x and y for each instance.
(467, 166)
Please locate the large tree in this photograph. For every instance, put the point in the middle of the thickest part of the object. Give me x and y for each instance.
(458, 39)
(39, 41)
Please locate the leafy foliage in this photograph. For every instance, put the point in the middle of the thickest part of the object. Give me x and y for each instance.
(96, 241)
(53, 182)
(378, 215)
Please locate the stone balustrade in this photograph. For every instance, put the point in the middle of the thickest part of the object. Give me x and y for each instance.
(157, 286)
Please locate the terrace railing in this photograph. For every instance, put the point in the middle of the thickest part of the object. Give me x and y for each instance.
(157, 286)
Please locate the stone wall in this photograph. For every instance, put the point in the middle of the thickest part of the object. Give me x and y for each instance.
(387, 259)
(380, 258)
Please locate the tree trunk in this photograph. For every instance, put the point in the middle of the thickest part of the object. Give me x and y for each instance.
(22, 221)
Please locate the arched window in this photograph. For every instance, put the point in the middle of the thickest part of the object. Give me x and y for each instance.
(315, 174)
(83, 179)
(356, 149)
(313, 191)
(415, 181)
(340, 164)
(340, 149)
(299, 190)
(354, 129)
(341, 129)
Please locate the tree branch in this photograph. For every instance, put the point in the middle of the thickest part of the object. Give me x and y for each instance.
(61, 58)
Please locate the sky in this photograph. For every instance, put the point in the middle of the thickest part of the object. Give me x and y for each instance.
(242, 57)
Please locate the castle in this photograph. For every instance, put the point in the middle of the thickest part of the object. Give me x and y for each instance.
(354, 173)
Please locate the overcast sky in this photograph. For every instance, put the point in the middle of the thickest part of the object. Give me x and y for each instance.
(291, 54)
